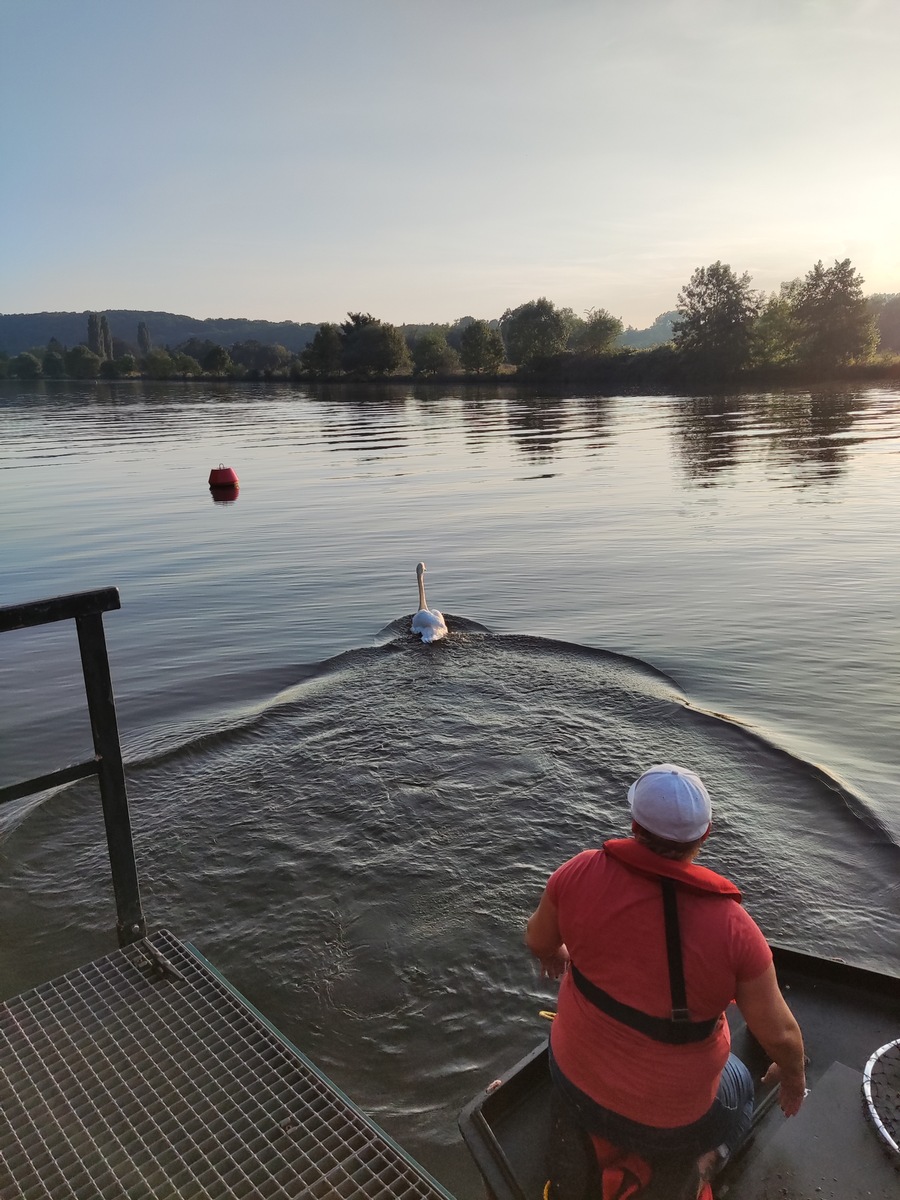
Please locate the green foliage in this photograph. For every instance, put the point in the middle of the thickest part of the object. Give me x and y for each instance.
(186, 366)
(457, 329)
(834, 324)
(54, 364)
(717, 310)
(158, 364)
(106, 341)
(412, 333)
(534, 330)
(25, 366)
(196, 347)
(775, 332)
(21, 331)
(143, 338)
(322, 357)
(217, 361)
(257, 357)
(82, 363)
(657, 334)
(432, 355)
(118, 368)
(886, 311)
(481, 349)
(369, 347)
(4, 364)
(596, 333)
(93, 334)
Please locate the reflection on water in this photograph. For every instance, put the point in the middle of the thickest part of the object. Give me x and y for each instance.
(712, 434)
(804, 430)
(364, 823)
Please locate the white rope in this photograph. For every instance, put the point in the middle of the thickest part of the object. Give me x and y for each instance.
(871, 1105)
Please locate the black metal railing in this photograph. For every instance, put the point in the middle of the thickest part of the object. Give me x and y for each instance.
(87, 609)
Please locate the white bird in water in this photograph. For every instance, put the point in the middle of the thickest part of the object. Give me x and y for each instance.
(428, 623)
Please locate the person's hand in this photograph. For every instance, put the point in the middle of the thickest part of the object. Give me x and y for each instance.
(555, 965)
(792, 1089)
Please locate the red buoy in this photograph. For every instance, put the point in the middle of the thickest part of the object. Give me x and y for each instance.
(222, 476)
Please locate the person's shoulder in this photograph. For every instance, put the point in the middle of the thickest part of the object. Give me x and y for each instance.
(751, 952)
(576, 867)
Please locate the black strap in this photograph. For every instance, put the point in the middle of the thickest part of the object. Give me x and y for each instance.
(673, 951)
(677, 1030)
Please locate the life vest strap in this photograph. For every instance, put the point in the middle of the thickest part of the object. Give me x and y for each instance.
(677, 1030)
(660, 1029)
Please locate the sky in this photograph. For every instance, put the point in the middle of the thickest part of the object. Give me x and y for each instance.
(424, 160)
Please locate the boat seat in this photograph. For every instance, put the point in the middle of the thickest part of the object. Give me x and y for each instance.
(827, 1152)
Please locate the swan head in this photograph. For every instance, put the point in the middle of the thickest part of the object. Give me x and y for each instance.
(420, 570)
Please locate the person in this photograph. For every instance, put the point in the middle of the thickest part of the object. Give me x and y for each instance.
(651, 948)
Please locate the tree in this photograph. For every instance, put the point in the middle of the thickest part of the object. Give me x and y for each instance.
(456, 330)
(54, 364)
(106, 341)
(322, 357)
(775, 332)
(158, 364)
(82, 363)
(25, 366)
(533, 330)
(596, 333)
(117, 368)
(717, 309)
(833, 320)
(369, 347)
(260, 356)
(143, 338)
(657, 334)
(121, 348)
(481, 349)
(93, 334)
(432, 356)
(886, 311)
(217, 361)
(186, 365)
(196, 347)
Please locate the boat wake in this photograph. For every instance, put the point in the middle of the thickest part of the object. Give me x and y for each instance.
(358, 849)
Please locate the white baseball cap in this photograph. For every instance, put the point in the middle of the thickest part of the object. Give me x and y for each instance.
(671, 802)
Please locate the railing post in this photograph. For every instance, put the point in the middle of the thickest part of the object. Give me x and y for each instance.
(98, 686)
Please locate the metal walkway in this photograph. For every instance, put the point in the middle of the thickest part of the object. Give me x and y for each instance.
(146, 1075)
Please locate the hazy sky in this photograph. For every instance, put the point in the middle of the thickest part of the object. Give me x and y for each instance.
(427, 159)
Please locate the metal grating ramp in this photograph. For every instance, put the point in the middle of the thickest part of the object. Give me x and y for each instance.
(139, 1078)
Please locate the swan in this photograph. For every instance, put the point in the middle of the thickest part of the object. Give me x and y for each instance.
(428, 623)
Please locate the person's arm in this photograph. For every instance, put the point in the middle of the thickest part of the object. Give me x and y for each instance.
(543, 939)
(775, 1028)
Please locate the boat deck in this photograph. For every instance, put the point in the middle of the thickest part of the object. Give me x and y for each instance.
(146, 1075)
(827, 1152)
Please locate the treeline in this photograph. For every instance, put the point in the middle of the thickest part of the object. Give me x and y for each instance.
(24, 331)
(721, 327)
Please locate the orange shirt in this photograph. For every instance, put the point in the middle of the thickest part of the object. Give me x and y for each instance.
(611, 920)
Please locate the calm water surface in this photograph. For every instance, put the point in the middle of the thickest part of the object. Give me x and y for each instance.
(353, 826)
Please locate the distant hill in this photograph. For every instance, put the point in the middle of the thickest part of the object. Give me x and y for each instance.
(22, 331)
(656, 334)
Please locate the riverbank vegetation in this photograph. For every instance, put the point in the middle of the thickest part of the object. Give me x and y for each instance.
(721, 330)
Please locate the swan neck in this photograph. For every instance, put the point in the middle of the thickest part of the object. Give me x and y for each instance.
(422, 603)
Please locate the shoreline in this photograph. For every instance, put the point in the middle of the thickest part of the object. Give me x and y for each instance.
(617, 374)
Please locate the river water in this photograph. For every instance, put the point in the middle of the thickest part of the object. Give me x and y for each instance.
(353, 826)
